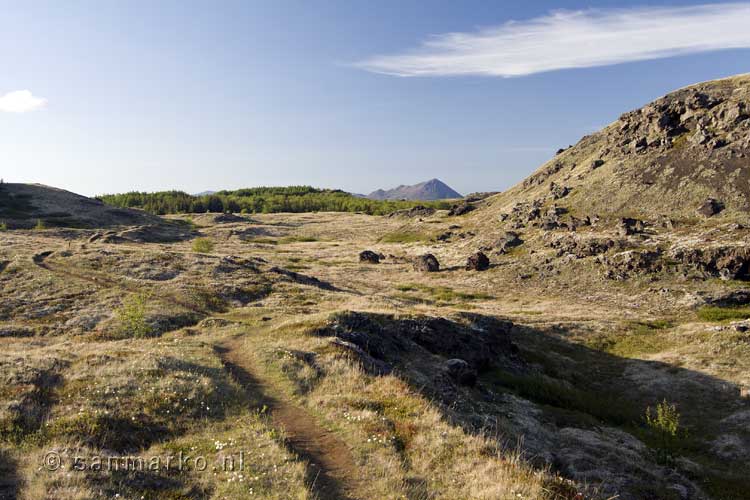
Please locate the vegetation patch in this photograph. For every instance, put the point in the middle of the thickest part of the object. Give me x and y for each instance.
(131, 317)
(547, 391)
(441, 293)
(637, 338)
(719, 314)
(203, 245)
(405, 237)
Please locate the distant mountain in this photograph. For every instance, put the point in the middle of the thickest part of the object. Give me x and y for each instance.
(433, 189)
(204, 193)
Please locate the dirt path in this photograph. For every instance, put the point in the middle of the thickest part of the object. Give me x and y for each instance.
(332, 473)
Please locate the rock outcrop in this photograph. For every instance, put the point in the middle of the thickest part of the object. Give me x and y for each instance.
(427, 263)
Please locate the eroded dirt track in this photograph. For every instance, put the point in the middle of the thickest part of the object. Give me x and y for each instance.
(332, 472)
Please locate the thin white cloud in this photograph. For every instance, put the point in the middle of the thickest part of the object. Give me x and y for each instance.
(574, 39)
(21, 101)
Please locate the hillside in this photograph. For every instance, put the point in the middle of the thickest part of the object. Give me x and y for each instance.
(666, 158)
(434, 189)
(24, 205)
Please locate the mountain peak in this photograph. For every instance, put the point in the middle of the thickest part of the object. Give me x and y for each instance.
(433, 189)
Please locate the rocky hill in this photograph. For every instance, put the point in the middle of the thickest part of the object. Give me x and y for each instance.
(433, 189)
(24, 206)
(670, 157)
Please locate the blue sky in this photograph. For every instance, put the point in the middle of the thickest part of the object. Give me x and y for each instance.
(212, 95)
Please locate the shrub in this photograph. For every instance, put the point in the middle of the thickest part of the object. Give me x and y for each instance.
(664, 425)
(132, 316)
(3, 226)
(203, 245)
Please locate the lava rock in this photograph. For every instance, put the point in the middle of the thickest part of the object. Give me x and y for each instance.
(427, 263)
(509, 240)
(461, 209)
(369, 256)
(477, 262)
(628, 226)
(460, 371)
(710, 207)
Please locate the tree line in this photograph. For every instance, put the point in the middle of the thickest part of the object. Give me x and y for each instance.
(260, 200)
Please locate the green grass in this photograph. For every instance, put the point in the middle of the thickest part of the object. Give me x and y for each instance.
(264, 241)
(720, 314)
(3, 226)
(638, 338)
(566, 399)
(405, 237)
(40, 225)
(203, 245)
(441, 293)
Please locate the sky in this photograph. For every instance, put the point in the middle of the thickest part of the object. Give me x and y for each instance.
(112, 96)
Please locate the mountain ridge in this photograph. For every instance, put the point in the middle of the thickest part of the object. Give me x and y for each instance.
(433, 189)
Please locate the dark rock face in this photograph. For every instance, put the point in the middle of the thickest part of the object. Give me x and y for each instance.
(384, 338)
(726, 262)
(732, 298)
(427, 263)
(633, 263)
(461, 209)
(477, 262)
(710, 207)
(369, 256)
(582, 248)
(460, 371)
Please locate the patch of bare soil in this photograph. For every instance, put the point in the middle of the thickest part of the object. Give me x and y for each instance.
(332, 473)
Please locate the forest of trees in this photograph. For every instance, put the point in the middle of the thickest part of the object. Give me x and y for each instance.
(260, 200)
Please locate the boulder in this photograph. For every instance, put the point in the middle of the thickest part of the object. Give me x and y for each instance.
(627, 226)
(477, 262)
(228, 218)
(710, 207)
(369, 256)
(460, 371)
(509, 240)
(558, 191)
(426, 263)
(461, 209)
(416, 211)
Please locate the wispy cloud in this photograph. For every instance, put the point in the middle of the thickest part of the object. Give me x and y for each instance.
(574, 39)
(21, 101)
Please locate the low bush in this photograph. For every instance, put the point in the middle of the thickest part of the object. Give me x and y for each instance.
(203, 245)
(131, 317)
(663, 423)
